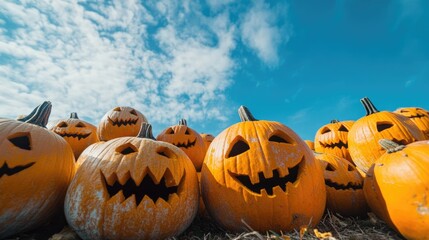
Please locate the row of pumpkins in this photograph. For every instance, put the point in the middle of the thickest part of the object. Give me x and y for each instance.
(116, 181)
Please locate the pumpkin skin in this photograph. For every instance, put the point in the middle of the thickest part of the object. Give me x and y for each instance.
(396, 188)
(419, 116)
(133, 188)
(187, 139)
(33, 177)
(78, 133)
(120, 122)
(344, 186)
(367, 131)
(310, 144)
(332, 138)
(207, 139)
(262, 173)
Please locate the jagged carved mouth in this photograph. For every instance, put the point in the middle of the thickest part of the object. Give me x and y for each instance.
(187, 144)
(339, 144)
(6, 170)
(417, 116)
(337, 186)
(268, 183)
(74, 135)
(119, 123)
(165, 189)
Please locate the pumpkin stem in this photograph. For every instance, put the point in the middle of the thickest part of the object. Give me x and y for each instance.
(369, 107)
(40, 115)
(245, 114)
(74, 115)
(390, 146)
(146, 131)
(335, 121)
(183, 122)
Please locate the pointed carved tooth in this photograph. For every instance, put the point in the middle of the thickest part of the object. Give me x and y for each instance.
(123, 177)
(157, 173)
(111, 179)
(267, 173)
(254, 178)
(277, 190)
(118, 198)
(283, 171)
(162, 204)
(146, 203)
(170, 181)
(173, 199)
(129, 203)
(264, 193)
(138, 176)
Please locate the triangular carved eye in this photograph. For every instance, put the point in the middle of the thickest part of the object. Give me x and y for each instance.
(166, 152)
(187, 132)
(21, 140)
(381, 126)
(80, 125)
(238, 148)
(325, 130)
(343, 129)
(276, 138)
(350, 168)
(329, 167)
(170, 131)
(62, 124)
(126, 149)
(133, 112)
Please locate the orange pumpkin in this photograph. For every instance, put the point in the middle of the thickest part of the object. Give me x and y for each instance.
(397, 188)
(310, 144)
(36, 166)
(133, 188)
(332, 138)
(367, 131)
(78, 133)
(419, 116)
(120, 122)
(262, 173)
(343, 186)
(207, 139)
(187, 139)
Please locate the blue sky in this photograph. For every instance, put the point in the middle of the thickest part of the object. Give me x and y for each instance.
(302, 63)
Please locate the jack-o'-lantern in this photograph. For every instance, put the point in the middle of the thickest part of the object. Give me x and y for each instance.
(78, 133)
(187, 139)
(367, 131)
(120, 122)
(263, 174)
(419, 116)
(344, 186)
(133, 188)
(397, 188)
(36, 166)
(332, 138)
(207, 139)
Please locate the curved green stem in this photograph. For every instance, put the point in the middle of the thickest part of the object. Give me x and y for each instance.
(40, 115)
(245, 114)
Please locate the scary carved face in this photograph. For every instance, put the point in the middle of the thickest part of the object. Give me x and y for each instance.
(419, 116)
(120, 122)
(332, 138)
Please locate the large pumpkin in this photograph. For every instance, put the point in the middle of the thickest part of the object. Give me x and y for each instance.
(133, 188)
(207, 139)
(120, 122)
(332, 138)
(397, 188)
(187, 139)
(261, 173)
(367, 131)
(36, 166)
(78, 133)
(419, 116)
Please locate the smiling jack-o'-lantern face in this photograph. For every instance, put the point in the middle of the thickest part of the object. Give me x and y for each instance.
(419, 116)
(332, 138)
(261, 172)
(78, 133)
(133, 188)
(343, 186)
(186, 139)
(36, 166)
(120, 122)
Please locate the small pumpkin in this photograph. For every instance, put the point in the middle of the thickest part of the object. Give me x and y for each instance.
(367, 131)
(310, 144)
(187, 139)
(78, 133)
(36, 166)
(419, 116)
(261, 173)
(132, 188)
(332, 138)
(396, 188)
(120, 122)
(207, 139)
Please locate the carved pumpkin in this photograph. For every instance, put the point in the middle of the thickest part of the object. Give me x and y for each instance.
(332, 138)
(186, 139)
(262, 173)
(310, 144)
(344, 186)
(78, 133)
(367, 131)
(120, 122)
(397, 188)
(36, 166)
(419, 116)
(133, 188)
(207, 139)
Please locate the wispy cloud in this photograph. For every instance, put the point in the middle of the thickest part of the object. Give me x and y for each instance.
(299, 116)
(409, 82)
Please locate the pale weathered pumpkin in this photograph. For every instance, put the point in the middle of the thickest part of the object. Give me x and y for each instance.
(120, 122)
(419, 116)
(332, 138)
(207, 139)
(78, 133)
(133, 188)
(36, 166)
(344, 194)
(262, 173)
(367, 131)
(397, 188)
(187, 139)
